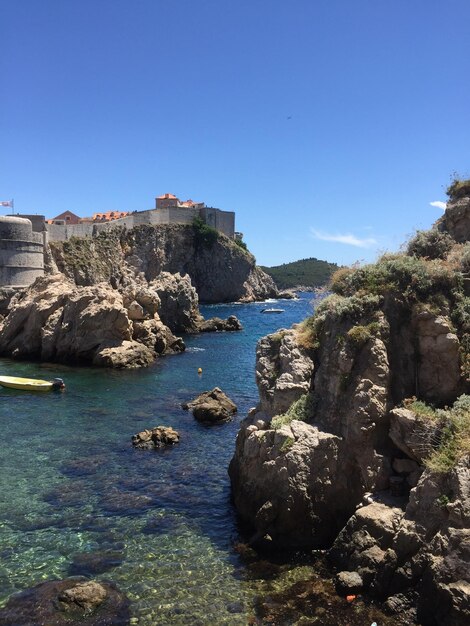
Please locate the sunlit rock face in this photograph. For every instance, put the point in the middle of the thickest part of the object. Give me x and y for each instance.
(340, 452)
(54, 320)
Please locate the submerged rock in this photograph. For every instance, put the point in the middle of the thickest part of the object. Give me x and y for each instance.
(348, 582)
(212, 407)
(97, 562)
(69, 601)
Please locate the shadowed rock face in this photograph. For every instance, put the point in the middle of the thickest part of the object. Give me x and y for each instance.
(69, 601)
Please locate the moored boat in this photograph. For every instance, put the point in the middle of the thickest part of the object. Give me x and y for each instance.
(272, 310)
(31, 384)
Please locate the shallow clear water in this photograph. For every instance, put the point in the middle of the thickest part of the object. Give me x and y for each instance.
(72, 485)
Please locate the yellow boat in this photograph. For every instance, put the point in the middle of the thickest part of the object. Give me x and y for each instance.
(31, 384)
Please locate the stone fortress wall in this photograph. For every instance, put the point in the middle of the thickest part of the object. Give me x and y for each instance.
(23, 239)
(21, 252)
(223, 221)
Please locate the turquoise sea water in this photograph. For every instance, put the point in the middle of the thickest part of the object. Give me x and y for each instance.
(75, 497)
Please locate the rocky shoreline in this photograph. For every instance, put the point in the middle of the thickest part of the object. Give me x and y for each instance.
(360, 444)
(119, 299)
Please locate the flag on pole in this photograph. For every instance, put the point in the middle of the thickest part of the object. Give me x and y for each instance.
(7, 203)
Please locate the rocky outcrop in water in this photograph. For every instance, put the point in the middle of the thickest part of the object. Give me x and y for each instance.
(212, 407)
(360, 443)
(54, 320)
(69, 601)
(216, 324)
(157, 437)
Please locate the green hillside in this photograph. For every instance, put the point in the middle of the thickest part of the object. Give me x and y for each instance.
(306, 273)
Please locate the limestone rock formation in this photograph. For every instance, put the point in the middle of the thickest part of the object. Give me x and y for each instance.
(418, 554)
(456, 219)
(220, 270)
(360, 441)
(179, 301)
(69, 601)
(54, 320)
(155, 438)
(283, 371)
(212, 407)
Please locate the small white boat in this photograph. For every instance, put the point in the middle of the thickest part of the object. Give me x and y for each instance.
(31, 384)
(272, 310)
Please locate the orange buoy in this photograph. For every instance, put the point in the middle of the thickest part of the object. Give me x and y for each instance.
(351, 598)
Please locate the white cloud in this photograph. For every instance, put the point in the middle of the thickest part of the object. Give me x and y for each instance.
(439, 204)
(348, 239)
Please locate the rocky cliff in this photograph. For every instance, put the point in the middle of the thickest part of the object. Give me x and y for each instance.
(220, 270)
(360, 444)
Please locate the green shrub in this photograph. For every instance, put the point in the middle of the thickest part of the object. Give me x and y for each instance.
(241, 244)
(337, 308)
(415, 277)
(455, 436)
(431, 244)
(358, 335)
(420, 408)
(461, 314)
(458, 189)
(204, 235)
(300, 410)
(465, 356)
(465, 259)
(286, 444)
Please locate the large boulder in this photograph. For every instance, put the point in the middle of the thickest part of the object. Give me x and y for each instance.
(212, 407)
(290, 483)
(412, 434)
(417, 556)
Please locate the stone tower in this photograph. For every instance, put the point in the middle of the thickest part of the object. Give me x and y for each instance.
(21, 252)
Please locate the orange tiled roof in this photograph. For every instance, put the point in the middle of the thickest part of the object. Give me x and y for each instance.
(167, 196)
(189, 203)
(109, 216)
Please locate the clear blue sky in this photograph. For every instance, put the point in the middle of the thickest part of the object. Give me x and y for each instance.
(327, 125)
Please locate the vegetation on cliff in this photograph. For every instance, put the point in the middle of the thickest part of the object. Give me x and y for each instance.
(204, 235)
(309, 273)
(459, 188)
(451, 441)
